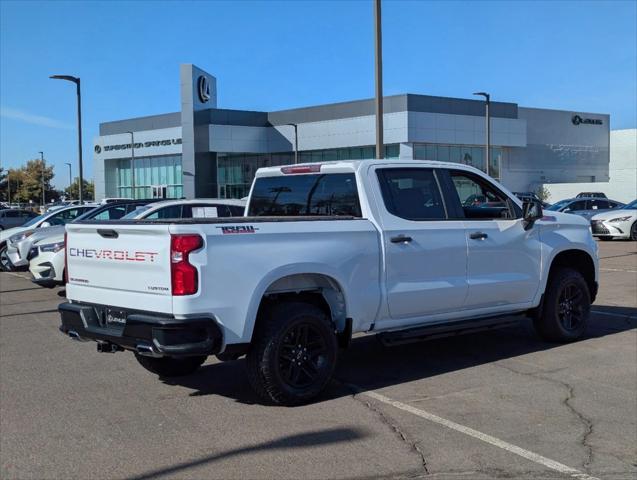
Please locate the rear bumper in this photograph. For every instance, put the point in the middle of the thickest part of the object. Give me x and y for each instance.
(144, 332)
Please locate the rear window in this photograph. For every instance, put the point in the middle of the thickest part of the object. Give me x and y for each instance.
(305, 195)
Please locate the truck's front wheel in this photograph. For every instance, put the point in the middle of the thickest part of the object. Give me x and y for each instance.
(567, 304)
(293, 354)
(170, 366)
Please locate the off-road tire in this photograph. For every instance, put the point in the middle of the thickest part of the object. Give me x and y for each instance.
(267, 361)
(558, 313)
(170, 366)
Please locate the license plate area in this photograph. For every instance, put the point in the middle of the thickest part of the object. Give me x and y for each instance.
(115, 318)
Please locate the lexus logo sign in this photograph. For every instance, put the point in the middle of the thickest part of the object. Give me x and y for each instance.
(204, 88)
(577, 120)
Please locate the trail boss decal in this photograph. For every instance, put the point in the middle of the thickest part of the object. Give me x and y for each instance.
(119, 255)
(238, 229)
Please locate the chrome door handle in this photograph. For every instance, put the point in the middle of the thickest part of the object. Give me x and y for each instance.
(478, 236)
(400, 239)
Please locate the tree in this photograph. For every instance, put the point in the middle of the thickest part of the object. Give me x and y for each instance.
(73, 192)
(543, 193)
(25, 183)
(35, 174)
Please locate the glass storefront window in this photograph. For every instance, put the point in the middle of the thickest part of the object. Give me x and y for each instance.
(471, 155)
(149, 172)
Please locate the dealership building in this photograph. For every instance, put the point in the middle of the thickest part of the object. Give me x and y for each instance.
(206, 151)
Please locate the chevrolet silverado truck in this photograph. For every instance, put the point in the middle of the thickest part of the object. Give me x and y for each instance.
(403, 249)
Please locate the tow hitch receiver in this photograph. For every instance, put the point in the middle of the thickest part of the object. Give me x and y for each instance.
(108, 347)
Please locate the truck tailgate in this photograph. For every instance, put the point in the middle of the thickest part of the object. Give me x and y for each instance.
(120, 265)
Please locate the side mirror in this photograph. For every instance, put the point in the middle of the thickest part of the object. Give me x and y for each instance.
(45, 225)
(531, 211)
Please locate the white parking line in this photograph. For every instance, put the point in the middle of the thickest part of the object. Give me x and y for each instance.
(617, 270)
(534, 457)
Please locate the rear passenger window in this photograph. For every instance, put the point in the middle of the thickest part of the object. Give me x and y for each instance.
(204, 210)
(411, 193)
(114, 213)
(599, 204)
(333, 194)
(579, 205)
(236, 211)
(166, 212)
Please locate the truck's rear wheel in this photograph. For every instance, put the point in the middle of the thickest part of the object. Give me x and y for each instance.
(567, 304)
(293, 354)
(170, 366)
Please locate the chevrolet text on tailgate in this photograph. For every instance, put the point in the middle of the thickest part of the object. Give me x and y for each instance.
(406, 250)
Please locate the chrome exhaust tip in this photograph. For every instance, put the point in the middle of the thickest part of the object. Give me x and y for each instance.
(76, 336)
(146, 350)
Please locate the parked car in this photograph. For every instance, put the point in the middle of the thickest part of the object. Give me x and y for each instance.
(46, 256)
(18, 251)
(529, 197)
(10, 237)
(10, 218)
(585, 207)
(327, 250)
(114, 199)
(196, 208)
(591, 195)
(618, 223)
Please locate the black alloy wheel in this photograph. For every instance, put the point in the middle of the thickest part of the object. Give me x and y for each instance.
(570, 308)
(302, 355)
(293, 353)
(566, 307)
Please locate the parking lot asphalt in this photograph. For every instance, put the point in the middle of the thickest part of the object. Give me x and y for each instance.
(487, 405)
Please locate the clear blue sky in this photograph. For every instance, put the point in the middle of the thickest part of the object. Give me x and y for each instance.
(274, 55)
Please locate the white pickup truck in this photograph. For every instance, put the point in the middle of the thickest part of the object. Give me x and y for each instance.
(407, 250)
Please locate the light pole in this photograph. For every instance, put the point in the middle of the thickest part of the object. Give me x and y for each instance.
(76, 81)
(296, 141)
(43, 169)
(70, 177)
(132, 163)
(378, 58)
(487, 99)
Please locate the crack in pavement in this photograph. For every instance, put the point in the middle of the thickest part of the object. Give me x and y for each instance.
(567, 402)
(402, 435)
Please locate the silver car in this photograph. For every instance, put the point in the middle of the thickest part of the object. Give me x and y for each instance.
(616, 223)
(11, 256)
(585, 207)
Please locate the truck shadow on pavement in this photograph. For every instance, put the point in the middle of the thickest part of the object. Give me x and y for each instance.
(368, 365)
(300, 440)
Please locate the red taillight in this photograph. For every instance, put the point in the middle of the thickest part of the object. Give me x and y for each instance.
(302, 169)
(183, 275)
(66, 258)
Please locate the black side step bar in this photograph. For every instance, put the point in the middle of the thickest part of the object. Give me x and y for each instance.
(401, 337)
